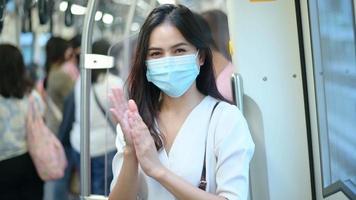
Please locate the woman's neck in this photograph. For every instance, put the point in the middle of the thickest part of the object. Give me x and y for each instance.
(182, 104)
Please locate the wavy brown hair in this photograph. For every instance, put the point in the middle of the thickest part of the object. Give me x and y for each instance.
(146, 94)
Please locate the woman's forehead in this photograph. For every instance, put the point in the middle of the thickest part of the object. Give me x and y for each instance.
(166, 36)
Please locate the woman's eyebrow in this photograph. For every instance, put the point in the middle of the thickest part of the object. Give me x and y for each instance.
(154, 48)
(179, 44)
(172, 47)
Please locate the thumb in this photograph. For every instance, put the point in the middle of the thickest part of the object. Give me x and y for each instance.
(132, 106)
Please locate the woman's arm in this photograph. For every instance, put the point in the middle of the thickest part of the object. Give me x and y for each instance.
(181, 189)
(125, 162)
(126, 187)
(147, 156)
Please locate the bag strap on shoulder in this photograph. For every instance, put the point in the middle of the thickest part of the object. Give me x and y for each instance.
(203, 182)
(111, 123)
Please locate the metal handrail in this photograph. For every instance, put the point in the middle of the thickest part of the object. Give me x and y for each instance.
(237, 91)
(85, 82)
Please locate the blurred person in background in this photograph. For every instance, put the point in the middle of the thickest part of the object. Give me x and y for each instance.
(65, 188)
(102, 133)
(18, 176)
(218, 23)
(222, 66)
(71, 66)
(57, 83)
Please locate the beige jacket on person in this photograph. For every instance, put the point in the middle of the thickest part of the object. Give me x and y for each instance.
(59, 85)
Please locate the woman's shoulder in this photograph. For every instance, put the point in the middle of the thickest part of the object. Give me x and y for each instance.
(225, 109)
(229, 121)
(15, 106)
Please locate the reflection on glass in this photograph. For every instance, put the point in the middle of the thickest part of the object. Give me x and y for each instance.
(338, 90)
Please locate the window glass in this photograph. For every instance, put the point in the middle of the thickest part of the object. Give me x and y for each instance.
(335, 76)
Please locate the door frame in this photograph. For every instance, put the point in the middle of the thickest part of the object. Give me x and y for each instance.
(312, 58)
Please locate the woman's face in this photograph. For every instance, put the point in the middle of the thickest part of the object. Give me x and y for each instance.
(166, 40)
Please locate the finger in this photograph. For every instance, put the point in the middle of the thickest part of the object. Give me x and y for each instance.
(119, 94)
(114, 101)
(121, 102)
(135, 121)
(131, 120)
(115, 94)
(132, 106)
(136, 139)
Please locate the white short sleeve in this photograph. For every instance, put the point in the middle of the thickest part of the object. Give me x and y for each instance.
(234, 150)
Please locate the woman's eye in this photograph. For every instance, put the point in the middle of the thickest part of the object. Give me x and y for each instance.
(154, 54)
(180, 51)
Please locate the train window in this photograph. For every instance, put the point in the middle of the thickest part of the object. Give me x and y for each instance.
(333, 37)
(26, 42)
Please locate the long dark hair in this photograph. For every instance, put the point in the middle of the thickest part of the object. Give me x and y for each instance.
(55, 52)
(14, 81)
(207, 33)
(218, 23)
(145, 93)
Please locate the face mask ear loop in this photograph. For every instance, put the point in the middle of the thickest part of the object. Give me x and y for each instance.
(197, 56)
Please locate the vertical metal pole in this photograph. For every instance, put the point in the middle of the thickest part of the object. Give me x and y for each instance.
(237, 91)
(85, 81)
(127, 48)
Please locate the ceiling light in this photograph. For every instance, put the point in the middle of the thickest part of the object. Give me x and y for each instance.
(78, 9)
(135, 26)
(166, 1)
(63, 6)
(107, 18)
(98, 15)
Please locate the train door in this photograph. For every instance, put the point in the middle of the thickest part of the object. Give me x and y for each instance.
(297, 61)
(267, 54)
(330, 49)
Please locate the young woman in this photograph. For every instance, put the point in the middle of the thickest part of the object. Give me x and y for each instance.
(18, 175)
(178, 132)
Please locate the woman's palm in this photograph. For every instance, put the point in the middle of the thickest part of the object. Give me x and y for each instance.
(119, 110)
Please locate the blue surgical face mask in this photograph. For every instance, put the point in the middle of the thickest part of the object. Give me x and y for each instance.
(174, 74)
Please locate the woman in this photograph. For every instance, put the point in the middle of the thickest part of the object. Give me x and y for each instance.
(58, 83)
(177, 129)
(18, 176)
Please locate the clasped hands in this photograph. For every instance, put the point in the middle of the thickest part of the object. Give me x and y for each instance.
(139, 142)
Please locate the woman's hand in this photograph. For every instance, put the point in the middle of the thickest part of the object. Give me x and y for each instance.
(119, 110)
(143, 142)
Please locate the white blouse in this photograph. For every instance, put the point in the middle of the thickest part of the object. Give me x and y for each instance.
(229, 151)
